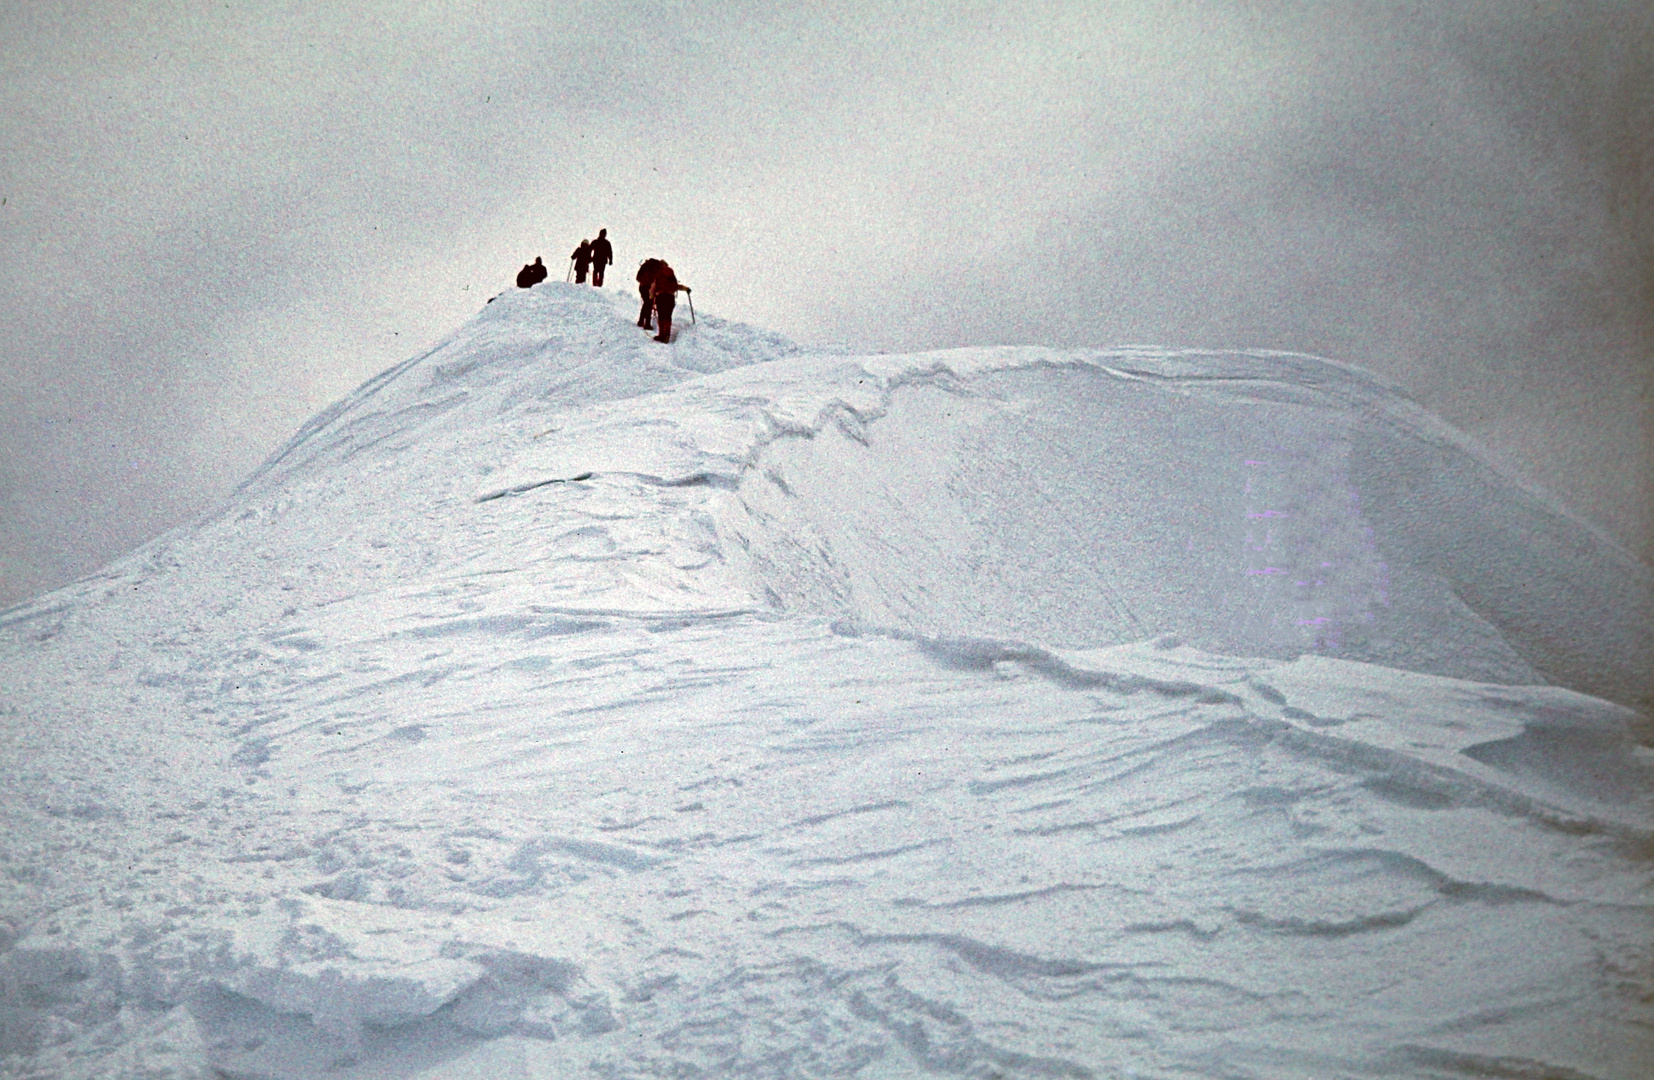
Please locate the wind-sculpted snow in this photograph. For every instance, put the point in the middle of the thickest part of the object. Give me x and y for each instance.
(562, 704)
(551, 346)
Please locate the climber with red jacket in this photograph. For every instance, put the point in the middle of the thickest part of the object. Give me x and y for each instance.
(665, 288)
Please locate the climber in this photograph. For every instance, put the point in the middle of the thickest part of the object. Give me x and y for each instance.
(602, 255)
(531, 274)
(665, 289)
(646, 289)
(582, 259)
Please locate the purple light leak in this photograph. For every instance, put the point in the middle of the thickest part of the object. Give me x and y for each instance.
(1304, 529)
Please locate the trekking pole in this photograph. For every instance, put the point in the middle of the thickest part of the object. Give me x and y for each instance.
(691, 297)
(569, 277)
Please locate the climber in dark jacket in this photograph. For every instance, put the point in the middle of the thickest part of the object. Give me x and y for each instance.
(646, 289)
(666, 289)
(582, 260)
(602, 255)
(531, 274)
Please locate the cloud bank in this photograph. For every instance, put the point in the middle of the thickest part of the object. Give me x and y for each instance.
(217, 221)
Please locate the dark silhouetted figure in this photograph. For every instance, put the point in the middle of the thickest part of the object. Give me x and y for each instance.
(646, 289)
(582, 260)
(666, 289)
(531, 274)
(602, 255)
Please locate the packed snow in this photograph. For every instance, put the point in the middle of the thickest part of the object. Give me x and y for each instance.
(565, 704)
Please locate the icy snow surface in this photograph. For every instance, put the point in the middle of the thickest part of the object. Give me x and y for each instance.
(564, 704)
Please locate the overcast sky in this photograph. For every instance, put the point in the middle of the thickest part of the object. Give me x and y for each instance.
(218, 217)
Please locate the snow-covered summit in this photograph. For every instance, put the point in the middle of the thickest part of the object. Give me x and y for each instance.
(561, 703)
(556, 344)
(1259, 504)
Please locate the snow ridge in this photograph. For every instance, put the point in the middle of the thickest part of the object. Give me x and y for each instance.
(565, 704)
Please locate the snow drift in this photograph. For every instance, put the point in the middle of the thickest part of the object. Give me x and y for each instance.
(564, 704)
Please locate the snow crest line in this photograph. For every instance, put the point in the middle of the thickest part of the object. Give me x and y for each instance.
(982, 654)
(1451, 771)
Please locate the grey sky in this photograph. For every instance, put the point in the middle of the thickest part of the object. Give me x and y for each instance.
(219, 217)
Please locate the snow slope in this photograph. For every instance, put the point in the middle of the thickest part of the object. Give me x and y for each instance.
(562, 704)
